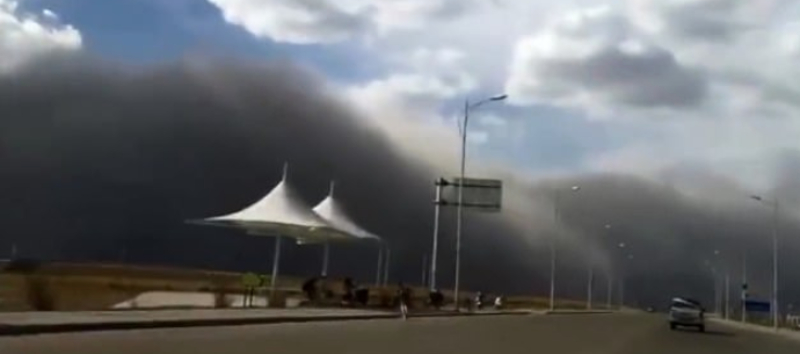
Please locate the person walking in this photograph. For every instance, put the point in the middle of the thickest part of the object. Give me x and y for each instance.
(498, 302)
(403, 297)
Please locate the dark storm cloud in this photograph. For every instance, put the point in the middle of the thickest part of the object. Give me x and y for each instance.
(99, 160)
(671, 227)
(652, 79)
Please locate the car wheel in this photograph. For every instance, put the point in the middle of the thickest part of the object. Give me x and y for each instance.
(701, 328)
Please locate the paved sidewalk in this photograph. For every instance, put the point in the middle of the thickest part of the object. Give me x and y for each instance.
(783, 332)
(21, 323)
(29, 318)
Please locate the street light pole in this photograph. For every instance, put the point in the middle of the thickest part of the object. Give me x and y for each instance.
(460, 207)
(775, 310)
(715, 286)
(622, 282)
(720, 283)
(744, 286)
(727, 294)
(589, 288)
(553, 250)
(553, 253)
(610, 290)
(435, 251)
(775, 211)
(610, 281)
(717, 302)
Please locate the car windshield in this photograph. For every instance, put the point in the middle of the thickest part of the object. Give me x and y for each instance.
(683, 305)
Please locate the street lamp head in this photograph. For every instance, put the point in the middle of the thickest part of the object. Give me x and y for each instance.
(576, 188)
(756, 197)
(608, 226)
(622, 245)
(498, 97)
(716, 252)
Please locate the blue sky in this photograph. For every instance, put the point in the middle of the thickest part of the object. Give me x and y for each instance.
(145, 31)
(157, 30)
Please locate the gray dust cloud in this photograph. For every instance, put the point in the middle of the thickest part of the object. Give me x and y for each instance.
(103, 162)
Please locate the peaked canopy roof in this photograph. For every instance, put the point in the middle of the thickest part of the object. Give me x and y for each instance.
(334, 214)
(280, 213)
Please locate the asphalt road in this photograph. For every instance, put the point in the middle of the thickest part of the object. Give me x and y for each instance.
(561, 334)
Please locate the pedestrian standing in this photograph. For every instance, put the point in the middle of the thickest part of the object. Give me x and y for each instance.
(403, 296)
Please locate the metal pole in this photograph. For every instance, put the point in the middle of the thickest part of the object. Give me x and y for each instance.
(716, 290)
(775, 309)
(424, 270)
(435, 252)
(380, 264)
(325, 258)
(744, 286)
(622, 292)
(609, 279)
(276, 258)
(610, 290)
(589, 287)
(553, 254)
(386, 268)
(459, 207)
(727, 294)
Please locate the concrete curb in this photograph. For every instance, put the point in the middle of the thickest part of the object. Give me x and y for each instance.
(578, 312)
(50, 328)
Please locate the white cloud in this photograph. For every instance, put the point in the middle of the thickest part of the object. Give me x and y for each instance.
(491, 120)
(424, 78)
(50, 14)
(705, 20)
(326, 21)
(477, 137)
(25, 37)
(597, 57)
(298, 21)
(704, 81)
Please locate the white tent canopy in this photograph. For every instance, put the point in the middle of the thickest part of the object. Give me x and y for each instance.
(280, 213)
(330, 210)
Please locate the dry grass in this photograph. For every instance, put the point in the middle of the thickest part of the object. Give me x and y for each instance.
(74, 287)
(77, 287)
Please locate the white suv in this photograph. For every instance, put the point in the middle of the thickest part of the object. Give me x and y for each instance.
(686, 313)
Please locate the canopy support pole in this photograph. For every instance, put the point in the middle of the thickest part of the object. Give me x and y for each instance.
(386, 268)
(380, 264)
(325, 258)
(276, 258)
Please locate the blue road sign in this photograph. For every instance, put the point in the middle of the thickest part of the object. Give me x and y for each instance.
(757, 306)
